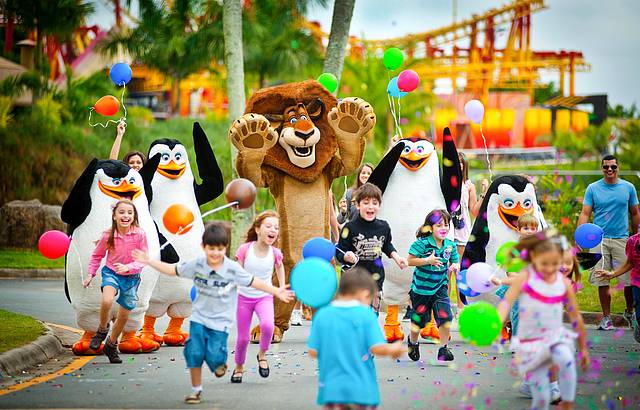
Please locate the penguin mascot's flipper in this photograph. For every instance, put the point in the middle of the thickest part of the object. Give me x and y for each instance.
(168, 253)
(212, 184)
(380, 175)
(451, 182)
(78, 204)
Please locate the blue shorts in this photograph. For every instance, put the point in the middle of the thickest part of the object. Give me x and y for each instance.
(423, 306)
(126, 287)
(205, 344)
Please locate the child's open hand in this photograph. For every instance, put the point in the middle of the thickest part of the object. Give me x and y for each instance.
(284, 294)
(401, 262)
(495, 280)
(87, 281)
(140, 256)
(122, 127)
(120, 268)
(453, 269)
(397, 349)
(604, 274)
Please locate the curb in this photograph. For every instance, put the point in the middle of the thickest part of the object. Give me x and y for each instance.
(13, 273)
(39, 351)
(593, 318)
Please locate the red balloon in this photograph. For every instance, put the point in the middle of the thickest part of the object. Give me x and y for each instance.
(107, 105)
(176, 218)
(241, 190)
(53, 244)
(408, 80)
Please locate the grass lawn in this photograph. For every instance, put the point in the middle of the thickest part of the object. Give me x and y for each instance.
(17, 330)
(27, 259)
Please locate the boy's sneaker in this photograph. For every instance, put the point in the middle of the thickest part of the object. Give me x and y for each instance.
(636, 329)
(555, 393)
(99, 337)
(445, 354)
(525, 389)
(413, 350)
(605, 324)
(111, 351)
(628, 316)
(296, 318)
(194, 398)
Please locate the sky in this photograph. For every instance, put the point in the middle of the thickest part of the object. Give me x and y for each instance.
(605, 31)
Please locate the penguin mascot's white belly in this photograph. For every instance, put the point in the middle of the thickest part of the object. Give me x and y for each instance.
(86, 302)
(172, 293)
(408, 197)
(173, 184)
(507, 199)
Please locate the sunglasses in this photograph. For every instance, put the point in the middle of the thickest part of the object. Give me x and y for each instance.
(613, 167)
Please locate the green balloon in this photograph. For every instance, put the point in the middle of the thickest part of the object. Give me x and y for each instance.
(480, 323)
(393, 58)
(329, 81)
(508, 257)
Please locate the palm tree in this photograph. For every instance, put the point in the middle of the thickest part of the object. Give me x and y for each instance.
(337, 47)
(176, 40)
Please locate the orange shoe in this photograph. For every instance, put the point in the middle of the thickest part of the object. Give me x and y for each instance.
(393, 333)
(505, 334)
(130, 343)
(430, 333)
(174, 336)
(148, 330)
(81, 347)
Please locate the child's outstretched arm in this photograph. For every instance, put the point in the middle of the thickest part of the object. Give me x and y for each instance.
(281, 293)
(395, 350)
(432, 259)
(577, 324)
(162, 267)
(115, 148)
(605, 274)
(280, 275)
(504, 307)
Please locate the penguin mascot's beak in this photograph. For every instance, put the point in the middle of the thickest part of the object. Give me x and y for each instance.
(122, 191)
(172, 170)
(510, 215)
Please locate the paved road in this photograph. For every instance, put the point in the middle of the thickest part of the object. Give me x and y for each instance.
(478, 378)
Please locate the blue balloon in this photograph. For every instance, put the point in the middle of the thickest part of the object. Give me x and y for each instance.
(314, 281)
(588, 236)
(461, 281)
(393, 90)
(319, 247)
(193, 293)
(120, 74)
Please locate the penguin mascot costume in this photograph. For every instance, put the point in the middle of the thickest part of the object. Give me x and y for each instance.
(508, 198)
(413, 185)
(173, 184)
(88, 212)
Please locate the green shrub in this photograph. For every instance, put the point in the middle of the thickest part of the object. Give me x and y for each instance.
(6, 104)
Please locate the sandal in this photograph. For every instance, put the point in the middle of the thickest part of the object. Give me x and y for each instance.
(221, 370)
(264, 372)
(235, 378)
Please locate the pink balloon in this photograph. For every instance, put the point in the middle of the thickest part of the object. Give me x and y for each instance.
(53, 244)
(474, 110)
(479, 277)
(408, 81)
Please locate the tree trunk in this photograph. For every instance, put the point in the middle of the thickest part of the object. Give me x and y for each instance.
(337, 48)
(234, 60)
(175, 94)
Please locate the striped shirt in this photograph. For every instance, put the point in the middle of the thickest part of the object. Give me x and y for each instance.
(428, 279)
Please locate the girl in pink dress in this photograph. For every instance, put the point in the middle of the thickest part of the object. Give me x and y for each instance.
(542, 291)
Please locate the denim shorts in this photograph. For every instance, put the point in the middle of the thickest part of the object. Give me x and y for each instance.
(205, 344)
(424, 305)
(126, 287)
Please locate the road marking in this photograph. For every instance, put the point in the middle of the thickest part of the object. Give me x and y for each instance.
(71, 367)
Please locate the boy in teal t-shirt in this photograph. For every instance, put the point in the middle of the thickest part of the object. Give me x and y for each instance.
(433, 255)
(344, 337)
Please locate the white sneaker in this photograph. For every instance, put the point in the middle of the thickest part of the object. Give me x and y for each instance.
(628, 316)
(296, 318)
(555, 393)
(525, 389)
(606, 324)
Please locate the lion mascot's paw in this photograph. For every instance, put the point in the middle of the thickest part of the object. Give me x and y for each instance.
(252, 131)
(81, 347)
(130, 343)
(352, 116)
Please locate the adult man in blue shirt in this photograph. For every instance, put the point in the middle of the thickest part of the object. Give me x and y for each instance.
(610, 199)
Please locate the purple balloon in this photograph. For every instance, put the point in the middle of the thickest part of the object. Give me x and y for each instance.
(479, 277)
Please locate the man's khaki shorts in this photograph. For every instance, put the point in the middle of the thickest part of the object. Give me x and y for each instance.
(613, 255)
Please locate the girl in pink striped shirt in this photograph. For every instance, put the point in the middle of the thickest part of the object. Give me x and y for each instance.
(120, 275)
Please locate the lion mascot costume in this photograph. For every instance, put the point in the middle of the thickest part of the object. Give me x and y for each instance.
(295, 139)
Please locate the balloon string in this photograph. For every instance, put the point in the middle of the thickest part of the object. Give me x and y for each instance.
(399, 117)
(393, 114)
(124, 107)
(184, 228)
(105, 125)
(486, 152)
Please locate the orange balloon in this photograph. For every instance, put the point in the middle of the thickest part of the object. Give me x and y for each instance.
(107, 105)
(176, 218)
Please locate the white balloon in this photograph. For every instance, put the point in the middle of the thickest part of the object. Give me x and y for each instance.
(474, 110)
(479, 277)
